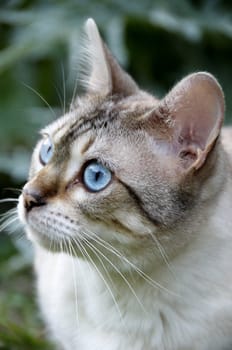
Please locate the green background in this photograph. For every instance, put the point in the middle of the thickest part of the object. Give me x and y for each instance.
(158, 42)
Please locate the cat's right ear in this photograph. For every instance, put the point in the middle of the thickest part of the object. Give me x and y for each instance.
(194, 111)
(102, 74)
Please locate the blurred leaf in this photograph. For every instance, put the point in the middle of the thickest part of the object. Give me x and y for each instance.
(15, 337)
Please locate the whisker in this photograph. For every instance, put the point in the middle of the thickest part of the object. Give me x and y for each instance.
(74, 93)
(7, 219)
(75, 241)
(41, 97)
(7, 200)
(64, 87)
(7, 223)
(105, 269)
(60, 99)
(101, 262)
(163, 254)
(150, 281)
(8, 214)
(13, 227)
(51, 243)
(69, 249)
(120, 274)
(19, 234)
(102, 277)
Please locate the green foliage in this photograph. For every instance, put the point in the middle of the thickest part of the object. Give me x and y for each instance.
(20, 326)
(18, 338)
(158, 42)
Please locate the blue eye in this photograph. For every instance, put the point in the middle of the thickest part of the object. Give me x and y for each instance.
(46, 151)
(96, 177)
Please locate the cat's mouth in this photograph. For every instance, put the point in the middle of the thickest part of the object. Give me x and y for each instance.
(52, 235)
(49, 228)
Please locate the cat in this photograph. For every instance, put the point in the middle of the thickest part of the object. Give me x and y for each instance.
(128, 206)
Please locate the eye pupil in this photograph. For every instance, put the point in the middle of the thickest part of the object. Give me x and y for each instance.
(96, 176)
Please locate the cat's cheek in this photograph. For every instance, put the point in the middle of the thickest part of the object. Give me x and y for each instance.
(79, 194)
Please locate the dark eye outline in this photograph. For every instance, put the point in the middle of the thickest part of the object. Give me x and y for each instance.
(46, 145)
(92, 162)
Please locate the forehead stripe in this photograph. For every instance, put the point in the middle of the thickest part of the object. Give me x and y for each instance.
(78, 128)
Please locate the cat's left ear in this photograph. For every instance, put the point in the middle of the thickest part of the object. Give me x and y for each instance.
(102, 74)
(195, 109)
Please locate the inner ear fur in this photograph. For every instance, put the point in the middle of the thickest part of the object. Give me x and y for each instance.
(102, 74)
(194, 109)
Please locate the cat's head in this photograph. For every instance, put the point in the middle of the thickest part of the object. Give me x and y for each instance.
(123, 167)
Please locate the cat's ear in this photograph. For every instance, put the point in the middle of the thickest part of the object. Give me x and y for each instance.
(195, 111)
(102, 74)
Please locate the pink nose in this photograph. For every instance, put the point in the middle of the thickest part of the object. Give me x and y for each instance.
(32, 198)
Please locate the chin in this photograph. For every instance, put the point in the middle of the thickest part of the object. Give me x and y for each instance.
(43, 240)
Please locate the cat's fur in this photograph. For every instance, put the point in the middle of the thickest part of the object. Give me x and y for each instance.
(146, 263)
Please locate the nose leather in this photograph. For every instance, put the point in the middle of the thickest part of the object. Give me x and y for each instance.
(32, 198)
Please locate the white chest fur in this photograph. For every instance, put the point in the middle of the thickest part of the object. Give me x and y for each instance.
(85, 312)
